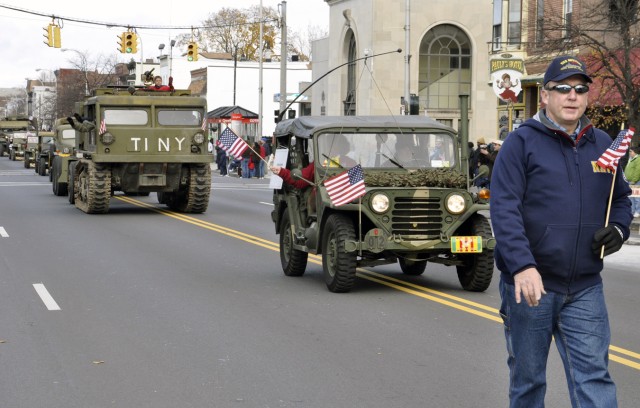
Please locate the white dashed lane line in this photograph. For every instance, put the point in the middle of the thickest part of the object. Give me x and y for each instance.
(46, 297)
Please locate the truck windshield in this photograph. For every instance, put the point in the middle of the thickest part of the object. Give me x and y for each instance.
(387, 150)
(187, 117)
(125, 117)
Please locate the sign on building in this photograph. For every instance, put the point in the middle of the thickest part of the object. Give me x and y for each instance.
(505, 78)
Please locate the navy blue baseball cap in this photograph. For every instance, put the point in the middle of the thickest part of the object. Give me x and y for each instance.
(564, 67)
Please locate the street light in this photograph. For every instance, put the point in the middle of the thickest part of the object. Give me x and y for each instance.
(83, 60)
(235, 65)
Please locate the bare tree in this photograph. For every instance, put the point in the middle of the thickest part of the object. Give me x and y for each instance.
(300, 42)
(607, 33)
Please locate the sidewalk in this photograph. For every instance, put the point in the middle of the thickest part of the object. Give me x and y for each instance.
(634, 239)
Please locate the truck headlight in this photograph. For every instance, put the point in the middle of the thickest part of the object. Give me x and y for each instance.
(198, 138)
(380, 203)
(107, 138)
(455, 203)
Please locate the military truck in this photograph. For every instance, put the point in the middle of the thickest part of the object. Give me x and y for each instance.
(43, 153)
(16, 128)
(416, 208)
(34, 147)
(61, 155)
(139, 141)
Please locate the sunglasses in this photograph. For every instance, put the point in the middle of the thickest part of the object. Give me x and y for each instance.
(565, 89)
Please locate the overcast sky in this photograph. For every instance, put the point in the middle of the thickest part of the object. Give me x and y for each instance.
(21, 39)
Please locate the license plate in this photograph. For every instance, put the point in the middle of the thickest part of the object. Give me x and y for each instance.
(466, 245)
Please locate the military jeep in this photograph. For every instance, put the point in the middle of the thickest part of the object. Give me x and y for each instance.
(138, 141)
(416, 209)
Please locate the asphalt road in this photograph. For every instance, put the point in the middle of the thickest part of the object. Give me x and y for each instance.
(150, 308)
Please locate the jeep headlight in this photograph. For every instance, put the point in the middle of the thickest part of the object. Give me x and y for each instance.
(107, 138)
(455, 203)
(66, 150)
(380, 203)
(198, 138)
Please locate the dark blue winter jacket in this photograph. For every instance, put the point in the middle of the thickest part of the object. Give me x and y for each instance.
(548, 198)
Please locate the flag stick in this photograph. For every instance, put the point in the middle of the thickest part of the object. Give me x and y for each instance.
(606, 220)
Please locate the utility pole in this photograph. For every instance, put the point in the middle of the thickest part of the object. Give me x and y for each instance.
(283, 56)
(407, 56)
(260, 107)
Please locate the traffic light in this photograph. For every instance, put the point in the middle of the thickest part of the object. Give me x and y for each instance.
(49, 35)
(121, 43)
(131, 43)
(52, 35)
(192, 51)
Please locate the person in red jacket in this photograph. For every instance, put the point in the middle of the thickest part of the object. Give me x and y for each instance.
(157, 86)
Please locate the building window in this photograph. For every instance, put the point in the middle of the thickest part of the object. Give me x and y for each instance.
(444, 67)
(514, 31)
(497, 25)
(350, 97)
(539, 22)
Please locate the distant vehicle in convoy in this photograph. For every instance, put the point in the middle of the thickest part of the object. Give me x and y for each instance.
(61, 155)
(417, 208)
(34, 146)
(140, 141)
(43, 153)
(13, 135)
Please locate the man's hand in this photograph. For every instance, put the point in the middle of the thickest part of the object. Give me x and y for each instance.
(609, 236)
(529, 282)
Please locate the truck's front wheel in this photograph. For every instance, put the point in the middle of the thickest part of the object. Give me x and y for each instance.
(339, 266)
(476, 272)
(294, 262)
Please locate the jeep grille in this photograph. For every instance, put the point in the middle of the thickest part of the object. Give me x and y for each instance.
(413, 217)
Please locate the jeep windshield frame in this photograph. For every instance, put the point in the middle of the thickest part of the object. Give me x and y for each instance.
(386, 150)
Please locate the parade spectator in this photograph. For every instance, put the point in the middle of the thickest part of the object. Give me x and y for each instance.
(548, 209)
(246, 160)
(632, 173)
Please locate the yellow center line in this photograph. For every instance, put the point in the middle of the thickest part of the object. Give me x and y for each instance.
(446, 299)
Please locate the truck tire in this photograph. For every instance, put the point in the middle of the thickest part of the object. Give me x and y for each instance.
(93, 188)
(476, 272)
(195, 199)
(294, 262)
(26, 160)
(71, 190)
(339, 266)
(1, 150)
(42, 166)
(412, 268)
(12, 155)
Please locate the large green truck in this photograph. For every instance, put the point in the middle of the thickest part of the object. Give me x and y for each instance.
(140, 141)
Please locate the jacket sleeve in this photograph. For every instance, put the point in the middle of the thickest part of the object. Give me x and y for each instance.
(307, 173)
(508, 180)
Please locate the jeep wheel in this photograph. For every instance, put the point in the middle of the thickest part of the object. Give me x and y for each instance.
(339, 266)
(27, 160)
(59, 189)
(476, 273)
(1, 150)
(413, 268)
(294, 262)
(71, 190)
(93, 188)
(42, 167)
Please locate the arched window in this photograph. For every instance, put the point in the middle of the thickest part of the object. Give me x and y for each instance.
(350, 96)
(445, 67)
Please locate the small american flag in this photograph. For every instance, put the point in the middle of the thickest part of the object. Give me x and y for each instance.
(231, 143)
(204, 124)
(103, 127)
(611, 156)
(346, 186)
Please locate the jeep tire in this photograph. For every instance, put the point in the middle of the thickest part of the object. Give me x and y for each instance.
(294, 261)
(476, 272)
(339, 266)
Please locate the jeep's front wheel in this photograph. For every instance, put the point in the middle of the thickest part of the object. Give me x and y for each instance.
(294, 261)
(413, 268)
(476, 272)
(339, 266)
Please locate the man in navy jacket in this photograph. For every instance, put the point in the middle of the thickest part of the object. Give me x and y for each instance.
(548, 208)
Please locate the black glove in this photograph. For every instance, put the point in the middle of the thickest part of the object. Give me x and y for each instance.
(609, 236)
(79, 118)
(71, 122)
